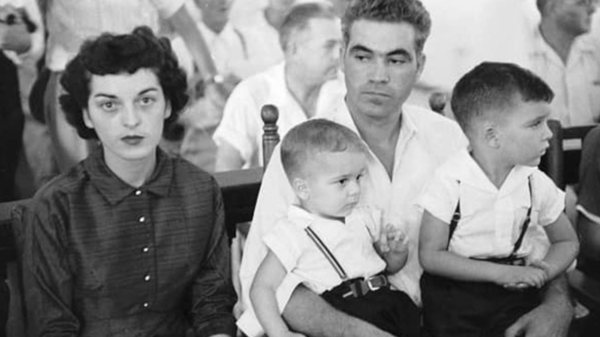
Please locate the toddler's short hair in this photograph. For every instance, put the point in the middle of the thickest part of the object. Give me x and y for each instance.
(305, 140)
(494, 86)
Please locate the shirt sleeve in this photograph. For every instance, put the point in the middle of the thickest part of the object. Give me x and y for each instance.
(239, 127)
(166, 8)
(440, 197)
(285, 242)
(589, 174)
(213, 295)
(47, 279)
(551, 199)
(274, 198)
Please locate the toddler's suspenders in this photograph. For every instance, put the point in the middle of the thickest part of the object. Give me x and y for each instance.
(327, 253)
(456, 218)
(355, 287)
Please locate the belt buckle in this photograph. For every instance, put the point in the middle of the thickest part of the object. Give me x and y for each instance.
(373, 287)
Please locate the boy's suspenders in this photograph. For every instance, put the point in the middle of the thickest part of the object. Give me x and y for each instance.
(327, 253)
(456, 218)
(355, 287)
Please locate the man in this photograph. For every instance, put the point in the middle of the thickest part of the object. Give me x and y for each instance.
(568, 59)
(300, 86)
(382, 59)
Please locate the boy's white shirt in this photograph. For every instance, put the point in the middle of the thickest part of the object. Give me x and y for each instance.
(351, 243)
(491, 218)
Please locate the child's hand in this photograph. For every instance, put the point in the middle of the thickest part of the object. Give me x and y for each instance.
(392, 240)
(518, 277)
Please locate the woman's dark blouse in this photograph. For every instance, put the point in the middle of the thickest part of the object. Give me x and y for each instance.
(102, 258)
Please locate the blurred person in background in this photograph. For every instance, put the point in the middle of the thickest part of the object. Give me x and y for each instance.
(21, 44)
(567, 57)
(306, 84)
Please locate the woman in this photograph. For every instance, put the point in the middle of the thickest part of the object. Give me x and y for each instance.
(130, 242)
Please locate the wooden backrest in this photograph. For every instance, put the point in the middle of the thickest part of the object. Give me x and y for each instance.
(562, 163)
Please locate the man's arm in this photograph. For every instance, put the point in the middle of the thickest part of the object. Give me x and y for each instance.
(552, 318)
(589, 232)
(309, 314)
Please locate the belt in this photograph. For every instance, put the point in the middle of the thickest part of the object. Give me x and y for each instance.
(511, 261)
(358, 287)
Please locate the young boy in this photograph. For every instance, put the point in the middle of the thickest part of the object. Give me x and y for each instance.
(327, 240)
(483, 263)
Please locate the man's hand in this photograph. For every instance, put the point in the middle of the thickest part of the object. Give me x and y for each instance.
(552, 318)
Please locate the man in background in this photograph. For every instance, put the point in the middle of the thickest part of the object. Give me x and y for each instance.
(303, 86)
(567, 57)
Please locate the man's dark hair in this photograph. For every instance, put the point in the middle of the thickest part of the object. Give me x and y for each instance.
(494, 86)
(121, 54)
(390, 11)
(298, 18)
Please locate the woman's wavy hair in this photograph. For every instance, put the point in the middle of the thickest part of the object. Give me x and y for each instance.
(118, 54)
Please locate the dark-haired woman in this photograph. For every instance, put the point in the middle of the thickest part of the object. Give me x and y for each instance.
(129, 242)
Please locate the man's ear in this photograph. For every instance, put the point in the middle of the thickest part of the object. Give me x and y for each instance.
(421, 60)
(342, 56)
(168, 110)
(301, 188)
(86, 119)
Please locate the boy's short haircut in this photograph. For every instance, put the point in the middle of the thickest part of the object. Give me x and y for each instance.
(121, 54)
(389, 11)
(305, 140)
(494, 86)
(298, 18)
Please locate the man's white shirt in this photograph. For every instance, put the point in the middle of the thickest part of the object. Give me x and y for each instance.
(242, 126)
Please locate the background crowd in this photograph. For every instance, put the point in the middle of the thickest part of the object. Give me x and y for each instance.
(240, 44)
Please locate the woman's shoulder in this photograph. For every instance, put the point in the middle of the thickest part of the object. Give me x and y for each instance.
(188, 175)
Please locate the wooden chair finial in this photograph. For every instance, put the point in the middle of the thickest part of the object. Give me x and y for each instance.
(269, 114)
(437, 101)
